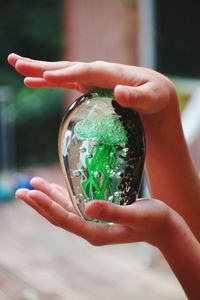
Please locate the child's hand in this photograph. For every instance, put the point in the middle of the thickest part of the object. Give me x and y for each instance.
(135, 87)
(145, 220)
(170, 170)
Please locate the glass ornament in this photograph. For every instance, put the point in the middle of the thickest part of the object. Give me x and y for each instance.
(101, 150)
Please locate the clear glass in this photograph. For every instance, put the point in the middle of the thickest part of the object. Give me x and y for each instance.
(101, 150)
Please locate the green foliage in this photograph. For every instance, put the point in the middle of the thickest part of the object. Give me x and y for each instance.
(34, 104)
(32, 28)
(38, 115)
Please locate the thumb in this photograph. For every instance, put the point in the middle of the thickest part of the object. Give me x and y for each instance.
(144, 213)
(142, 99)
(109, 212)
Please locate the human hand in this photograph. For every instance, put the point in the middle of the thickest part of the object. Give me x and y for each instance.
(142, 89)
(149, 93)
(146, 220)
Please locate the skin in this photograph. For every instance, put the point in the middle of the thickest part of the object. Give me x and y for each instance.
(171, 174)
(148, 220)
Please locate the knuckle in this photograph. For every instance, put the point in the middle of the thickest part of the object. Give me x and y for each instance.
(87, 70)
(83, 68)
(48, 206)
(98, 63)
(63, 220)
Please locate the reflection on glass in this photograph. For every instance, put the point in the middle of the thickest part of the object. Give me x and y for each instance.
(101, 150)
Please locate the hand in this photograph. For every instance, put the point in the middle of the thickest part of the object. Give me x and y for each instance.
(146, 220)
(142, 89)
(154, 97)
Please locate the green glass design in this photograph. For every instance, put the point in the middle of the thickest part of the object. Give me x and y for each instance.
(100, 164)
(101, 150)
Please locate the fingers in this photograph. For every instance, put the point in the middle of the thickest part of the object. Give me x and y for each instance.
(13, 58)
(36, 82)
(62, 198)
(95, 74)
(36, 68)
(136, 90)
(40, 202)
(60, 188)
(23, 194)
(96, 234)
(78, 72)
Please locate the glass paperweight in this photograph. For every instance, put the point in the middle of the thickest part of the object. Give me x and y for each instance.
(101, 150)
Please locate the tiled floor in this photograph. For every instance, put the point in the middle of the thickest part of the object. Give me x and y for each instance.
(41, 262)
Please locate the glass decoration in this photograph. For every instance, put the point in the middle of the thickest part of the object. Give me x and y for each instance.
(101, 151)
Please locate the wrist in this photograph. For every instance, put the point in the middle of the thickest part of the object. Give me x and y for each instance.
(172, 225)
(176, 233)
(182, 252)
(166, 225)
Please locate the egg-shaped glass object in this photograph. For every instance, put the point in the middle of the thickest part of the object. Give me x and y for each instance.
(101, 150)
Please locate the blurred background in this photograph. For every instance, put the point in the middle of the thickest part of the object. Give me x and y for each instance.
(37, 260)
